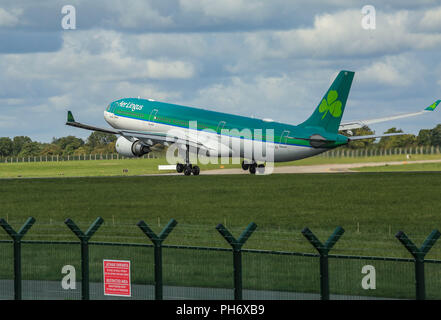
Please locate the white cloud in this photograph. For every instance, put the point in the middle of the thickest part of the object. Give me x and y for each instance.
(124, 89)
(8, 122)
(261, 97)
(400, 70)
(258, 67)
(135, 14)
(77, 61)
(172, 44)
(340, 34)
(230, 9)
(431, 20)
(9, 18)
(169, 69)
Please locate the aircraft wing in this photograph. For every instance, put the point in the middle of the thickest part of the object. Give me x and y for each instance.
(361, 123)
(150, 138)
(71, 122)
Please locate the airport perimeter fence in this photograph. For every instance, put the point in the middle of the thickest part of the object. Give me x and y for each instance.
(335, 153)
(375, 152)
(80, 269)
(81, 157)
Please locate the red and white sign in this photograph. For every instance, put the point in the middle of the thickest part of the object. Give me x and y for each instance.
(117, 278)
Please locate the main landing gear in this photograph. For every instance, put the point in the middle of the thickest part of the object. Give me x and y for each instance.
(187, 168)
(253, 167)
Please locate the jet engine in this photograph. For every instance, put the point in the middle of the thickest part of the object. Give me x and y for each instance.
(131, 149)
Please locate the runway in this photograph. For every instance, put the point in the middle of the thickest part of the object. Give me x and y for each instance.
(322, 168)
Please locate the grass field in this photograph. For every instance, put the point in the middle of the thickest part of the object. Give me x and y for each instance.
(86, 168)
(371, 207)
(134, 167)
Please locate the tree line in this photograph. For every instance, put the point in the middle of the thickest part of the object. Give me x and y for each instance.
(104, 143)
(425, 138)
(23, 146)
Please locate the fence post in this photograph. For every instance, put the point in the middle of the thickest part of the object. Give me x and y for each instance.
(237, 253)
(323, 250)
(157, 243)
(16, 237)
(419, 255)
(84, 239)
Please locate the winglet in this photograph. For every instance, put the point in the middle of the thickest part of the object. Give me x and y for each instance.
(433, 105)
(70, 117)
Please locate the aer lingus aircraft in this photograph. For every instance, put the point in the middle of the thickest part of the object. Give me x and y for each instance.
(142, 123)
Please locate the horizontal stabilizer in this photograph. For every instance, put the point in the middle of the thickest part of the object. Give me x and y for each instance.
(374, 136)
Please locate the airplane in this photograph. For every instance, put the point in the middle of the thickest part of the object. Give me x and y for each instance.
(143, 123)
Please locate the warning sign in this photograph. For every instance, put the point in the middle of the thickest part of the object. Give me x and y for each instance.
(117, 278)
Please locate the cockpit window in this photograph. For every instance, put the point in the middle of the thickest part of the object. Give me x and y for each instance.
(108, 108)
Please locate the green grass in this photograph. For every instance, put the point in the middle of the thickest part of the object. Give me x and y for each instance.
(85, 168)
(134, 167)
(371, 207)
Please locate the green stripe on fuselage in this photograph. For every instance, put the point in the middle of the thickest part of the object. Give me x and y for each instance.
(180, 116)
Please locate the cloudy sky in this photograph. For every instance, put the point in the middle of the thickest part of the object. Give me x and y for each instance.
(267, 59)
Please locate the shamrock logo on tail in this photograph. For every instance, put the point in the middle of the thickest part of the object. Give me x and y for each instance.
(331, 105)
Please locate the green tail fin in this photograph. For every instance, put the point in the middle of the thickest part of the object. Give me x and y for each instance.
(330, 110)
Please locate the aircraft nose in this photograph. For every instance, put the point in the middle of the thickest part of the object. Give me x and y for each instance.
(107, 116)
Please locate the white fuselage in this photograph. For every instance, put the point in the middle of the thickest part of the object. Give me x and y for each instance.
(222, 145)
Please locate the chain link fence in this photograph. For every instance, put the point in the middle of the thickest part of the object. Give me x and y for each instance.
(40, 269)
(79, 157)
(335, 153)
(377, 152)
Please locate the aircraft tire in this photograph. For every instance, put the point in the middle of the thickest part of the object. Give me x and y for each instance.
(187, 170)
(196, 170)
(252, 169)
(179, 167)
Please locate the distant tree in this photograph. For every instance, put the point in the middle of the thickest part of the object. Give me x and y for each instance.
(82, 150)
(18, 143)
(401, 141)
(424, 137)
(361, 144)
(105, 149)
(100, 139)
(68, 144)
(51, 150)
(435, 136)
(6, 147)
(30, 149)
